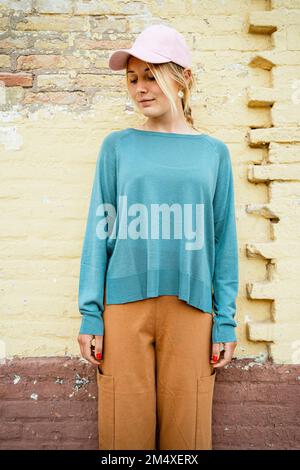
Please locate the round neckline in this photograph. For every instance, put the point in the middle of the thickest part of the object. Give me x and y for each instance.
(172, 134)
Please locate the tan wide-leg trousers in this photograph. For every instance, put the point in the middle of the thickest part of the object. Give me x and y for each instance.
(155, 384)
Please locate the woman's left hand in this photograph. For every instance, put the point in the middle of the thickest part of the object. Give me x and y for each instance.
(217, 348)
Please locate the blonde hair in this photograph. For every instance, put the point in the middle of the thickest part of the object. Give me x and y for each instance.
(163, 74)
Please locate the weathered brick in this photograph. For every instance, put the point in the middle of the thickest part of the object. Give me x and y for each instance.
(99, 44)
(257, 414)
(60, 431)
(13, 43)
(16, 79)
(4, 24)
(60, 43)
(56, 98)
(10, 431)
(54, 81)
(291, 4)
(53, 6)
(275, 134)
(52, 23)
(286, 114)
(51, 62)
(59, 410)
(274, 172)
(293, 38)
(5, 61)
(268, 59)
(24, 6)
(260, 437)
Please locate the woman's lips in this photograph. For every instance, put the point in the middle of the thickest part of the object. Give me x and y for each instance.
(147, 103)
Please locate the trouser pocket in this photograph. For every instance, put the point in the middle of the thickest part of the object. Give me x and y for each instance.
(106, 410)
(204, 401)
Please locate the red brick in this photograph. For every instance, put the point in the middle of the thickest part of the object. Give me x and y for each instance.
(10, 431)
(52, 430)
(60, 409)
(57, 97)
(16, 79)
(254, 407)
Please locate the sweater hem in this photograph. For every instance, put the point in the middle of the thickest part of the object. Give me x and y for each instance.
(154, 283)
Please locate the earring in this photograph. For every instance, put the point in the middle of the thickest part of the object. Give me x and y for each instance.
(129, 105)
(180, 94)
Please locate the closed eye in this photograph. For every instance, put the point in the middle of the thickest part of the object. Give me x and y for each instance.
(134, 81)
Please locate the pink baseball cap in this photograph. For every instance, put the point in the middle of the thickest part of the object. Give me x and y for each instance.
(156, 44)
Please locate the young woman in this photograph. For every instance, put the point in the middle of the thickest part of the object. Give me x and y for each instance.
(159, 266)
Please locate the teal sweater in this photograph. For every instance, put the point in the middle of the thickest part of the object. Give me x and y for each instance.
(161, 221)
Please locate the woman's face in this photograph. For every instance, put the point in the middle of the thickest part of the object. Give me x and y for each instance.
(142, 86)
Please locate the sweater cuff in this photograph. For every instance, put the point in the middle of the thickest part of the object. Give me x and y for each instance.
(223, 333)
(91, 325)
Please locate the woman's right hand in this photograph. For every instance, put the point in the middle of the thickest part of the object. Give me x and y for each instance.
(88, 351)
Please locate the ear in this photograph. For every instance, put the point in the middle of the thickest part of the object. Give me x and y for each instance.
(187, 73)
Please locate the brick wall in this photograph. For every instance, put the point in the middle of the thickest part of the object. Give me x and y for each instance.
(51, 403)
(58, 100)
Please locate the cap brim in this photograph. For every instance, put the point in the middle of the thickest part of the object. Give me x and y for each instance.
(118, 59)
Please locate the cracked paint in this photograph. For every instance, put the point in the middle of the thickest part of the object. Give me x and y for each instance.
(17, 379)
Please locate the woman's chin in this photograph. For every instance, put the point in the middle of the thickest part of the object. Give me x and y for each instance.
(151, 112)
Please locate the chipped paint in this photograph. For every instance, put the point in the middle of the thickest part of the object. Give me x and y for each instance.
(17, 379)
(247, 319)
(80, 382)
(82, 359)
(10, 138)
(251, 364)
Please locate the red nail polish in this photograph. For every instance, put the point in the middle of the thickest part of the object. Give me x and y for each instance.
(215, 358)
(99, 356)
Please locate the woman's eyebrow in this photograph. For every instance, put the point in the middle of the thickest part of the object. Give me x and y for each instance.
(132, 71)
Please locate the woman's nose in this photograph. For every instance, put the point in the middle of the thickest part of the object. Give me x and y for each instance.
(141, 88)
(141, 92)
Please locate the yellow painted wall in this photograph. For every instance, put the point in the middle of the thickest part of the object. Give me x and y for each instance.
(59, 99)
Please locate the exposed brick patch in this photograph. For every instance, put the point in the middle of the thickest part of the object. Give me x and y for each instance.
(16, 79)
(51, 403)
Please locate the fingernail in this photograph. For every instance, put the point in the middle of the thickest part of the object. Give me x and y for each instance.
(99, 356)
(215, 358)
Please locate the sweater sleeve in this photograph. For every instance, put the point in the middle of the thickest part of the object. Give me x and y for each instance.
(225, 276)
(95, 249)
